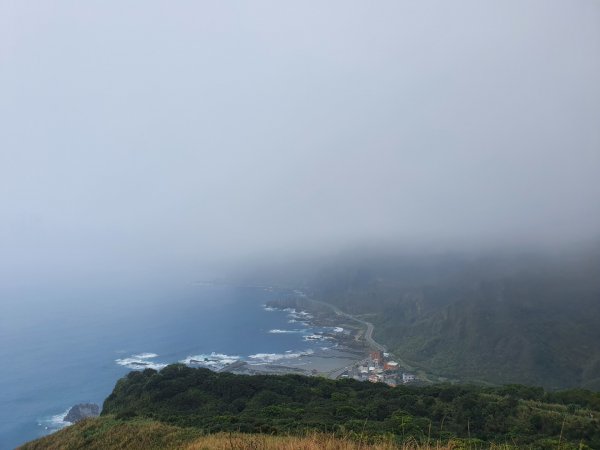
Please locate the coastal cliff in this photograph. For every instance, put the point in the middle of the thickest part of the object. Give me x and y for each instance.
(82, 411)
(178, 406)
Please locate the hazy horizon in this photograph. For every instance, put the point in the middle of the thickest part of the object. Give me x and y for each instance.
(156, 134)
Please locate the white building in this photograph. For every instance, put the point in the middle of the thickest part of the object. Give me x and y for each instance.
(408, 377)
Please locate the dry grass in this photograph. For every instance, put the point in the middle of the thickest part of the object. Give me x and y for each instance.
(107, 433)
(224, 441)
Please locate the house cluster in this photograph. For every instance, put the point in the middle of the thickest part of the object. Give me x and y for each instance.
(379, 368)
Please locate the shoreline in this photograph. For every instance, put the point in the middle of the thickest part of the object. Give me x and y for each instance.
(344, 344)
(371, 361)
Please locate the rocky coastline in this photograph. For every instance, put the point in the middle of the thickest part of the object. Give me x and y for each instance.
(82, 411)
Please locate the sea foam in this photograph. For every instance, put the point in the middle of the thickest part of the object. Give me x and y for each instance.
(277, 331)
(264, 358)
(140, 362)
(316, 337)
(55, 422)
(213, 360)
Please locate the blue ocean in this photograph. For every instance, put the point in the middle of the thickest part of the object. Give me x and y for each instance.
(63, 347)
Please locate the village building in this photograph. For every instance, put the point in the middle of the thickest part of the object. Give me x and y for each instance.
(377, 356)
(390, 366)
(407, 377)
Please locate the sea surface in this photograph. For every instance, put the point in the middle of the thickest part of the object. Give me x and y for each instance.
(62, 347)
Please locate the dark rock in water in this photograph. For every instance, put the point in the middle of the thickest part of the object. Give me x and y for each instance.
(82, 411)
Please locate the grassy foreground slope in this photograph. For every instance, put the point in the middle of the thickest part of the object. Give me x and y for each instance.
(108, 433)
(179, 404)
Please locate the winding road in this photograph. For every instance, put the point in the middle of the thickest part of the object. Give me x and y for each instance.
(368, 332)
(334, 374)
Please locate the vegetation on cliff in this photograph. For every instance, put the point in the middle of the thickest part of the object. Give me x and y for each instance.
(497, 319)
(108, 433)
(205, 402)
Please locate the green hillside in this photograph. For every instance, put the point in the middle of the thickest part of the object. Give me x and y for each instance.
(108, 433)
(525, 319)
(201, 402)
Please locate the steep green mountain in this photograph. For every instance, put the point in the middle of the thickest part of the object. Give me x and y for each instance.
(496, 318)
(180, 403)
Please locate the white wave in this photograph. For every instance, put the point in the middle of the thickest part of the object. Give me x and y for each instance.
(268, 308)
(299, 322)
(300, 315)
(145, 355)
(277, 331)
(55, 422)
(272, 357)
(140, 362)
(315, 337)
(213, 361)
(338, 330)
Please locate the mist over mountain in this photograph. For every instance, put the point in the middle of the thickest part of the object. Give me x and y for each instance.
(202, 134)
(494, 316)
(172, 173)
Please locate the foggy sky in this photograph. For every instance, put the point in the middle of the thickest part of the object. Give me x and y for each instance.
(151, 131)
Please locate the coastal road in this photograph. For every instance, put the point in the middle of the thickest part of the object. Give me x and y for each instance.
(334, 374)
(368, 338)
(369, 326)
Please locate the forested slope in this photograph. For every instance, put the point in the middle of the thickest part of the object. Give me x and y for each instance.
(215, 402)
(518, 319)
